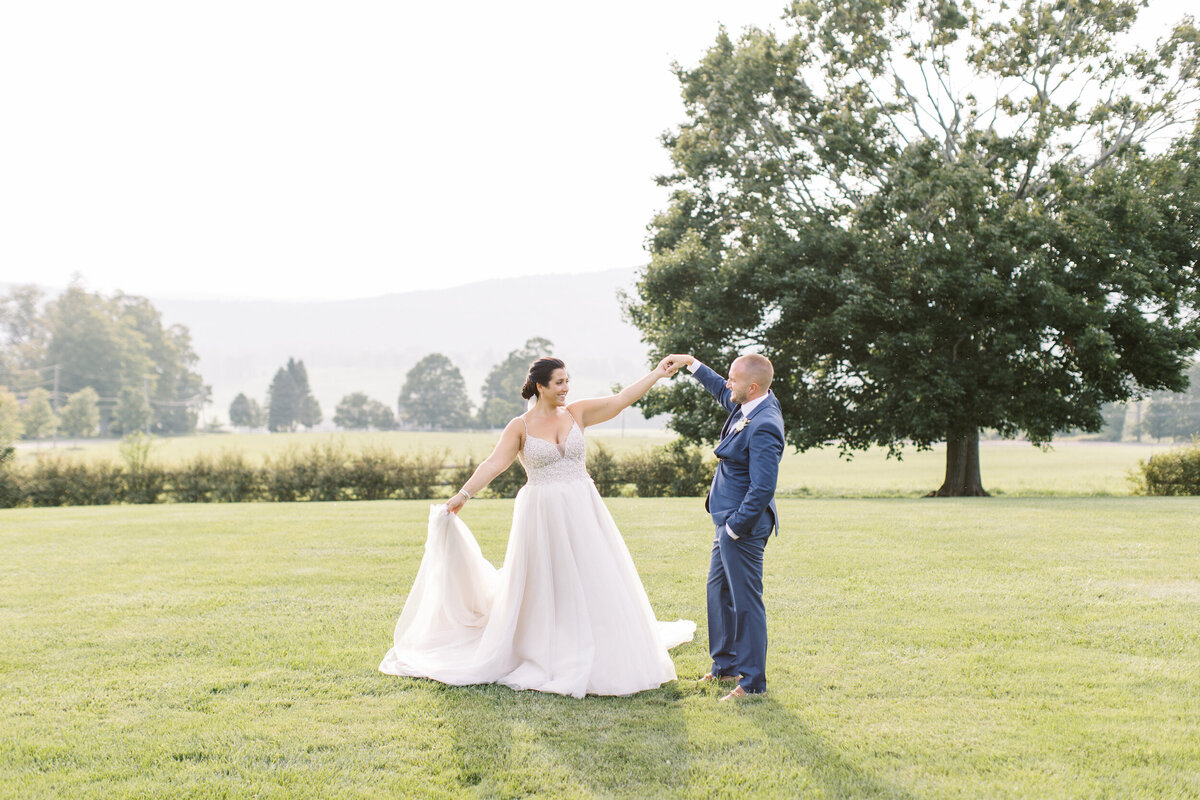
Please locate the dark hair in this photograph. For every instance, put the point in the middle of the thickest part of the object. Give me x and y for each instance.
(539, 373)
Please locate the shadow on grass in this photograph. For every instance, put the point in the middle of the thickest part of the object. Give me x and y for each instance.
(827, 769)
(518, 744)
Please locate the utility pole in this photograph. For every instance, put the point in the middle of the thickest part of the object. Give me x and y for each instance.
(146, 394)
(54, 404)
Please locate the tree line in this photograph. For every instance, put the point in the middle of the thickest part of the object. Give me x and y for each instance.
(83, 364)
(433, 397)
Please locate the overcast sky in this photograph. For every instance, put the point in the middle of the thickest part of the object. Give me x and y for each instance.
(316, 150)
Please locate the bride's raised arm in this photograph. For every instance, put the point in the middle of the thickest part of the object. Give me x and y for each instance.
(601, 409)
(501, 459)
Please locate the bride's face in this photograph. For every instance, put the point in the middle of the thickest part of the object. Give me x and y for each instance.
(556, 390)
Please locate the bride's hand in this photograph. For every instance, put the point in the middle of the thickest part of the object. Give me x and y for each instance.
(666, 368)
(455, 503)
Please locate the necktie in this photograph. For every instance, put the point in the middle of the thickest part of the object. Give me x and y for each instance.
(733, 421)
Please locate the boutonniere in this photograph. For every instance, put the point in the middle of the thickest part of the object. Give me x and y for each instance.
(742, 423)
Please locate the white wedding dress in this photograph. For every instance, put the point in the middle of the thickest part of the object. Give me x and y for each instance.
(567, 612)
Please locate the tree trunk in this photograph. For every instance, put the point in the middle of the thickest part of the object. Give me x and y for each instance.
(962, 468)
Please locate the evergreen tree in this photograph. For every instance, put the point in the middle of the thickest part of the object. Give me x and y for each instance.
(309, 413)
(283, 402)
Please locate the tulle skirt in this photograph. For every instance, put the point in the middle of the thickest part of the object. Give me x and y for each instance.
(566, 614)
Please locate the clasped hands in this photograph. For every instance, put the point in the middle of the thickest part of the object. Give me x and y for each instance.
(672, 363)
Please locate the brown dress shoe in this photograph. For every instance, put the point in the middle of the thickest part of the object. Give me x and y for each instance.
(737, 694)
(719, 678)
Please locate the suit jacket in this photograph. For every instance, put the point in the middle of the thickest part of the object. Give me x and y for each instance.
(743, 488)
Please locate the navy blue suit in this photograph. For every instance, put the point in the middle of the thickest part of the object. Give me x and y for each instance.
(742, 497)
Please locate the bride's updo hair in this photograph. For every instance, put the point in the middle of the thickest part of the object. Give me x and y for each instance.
(539, 373)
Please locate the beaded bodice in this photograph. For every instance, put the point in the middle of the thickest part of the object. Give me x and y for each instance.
(547, 462)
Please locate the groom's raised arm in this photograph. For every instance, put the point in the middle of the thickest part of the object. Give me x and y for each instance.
(708, 379)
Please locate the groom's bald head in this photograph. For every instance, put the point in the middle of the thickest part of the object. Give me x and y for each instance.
(750, 376)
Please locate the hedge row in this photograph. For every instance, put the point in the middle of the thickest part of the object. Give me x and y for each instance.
(324, 472)
(1175, 472)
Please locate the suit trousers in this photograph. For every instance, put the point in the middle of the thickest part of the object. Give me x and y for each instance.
(737, 618)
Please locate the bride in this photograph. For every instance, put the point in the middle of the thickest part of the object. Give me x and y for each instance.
(567, 612)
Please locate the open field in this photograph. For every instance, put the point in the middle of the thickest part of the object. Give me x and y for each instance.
(1001, 648)
(1009, 468)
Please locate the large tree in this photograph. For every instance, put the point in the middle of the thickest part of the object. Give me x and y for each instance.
(434, 395)
(502, 388)
(934, 218)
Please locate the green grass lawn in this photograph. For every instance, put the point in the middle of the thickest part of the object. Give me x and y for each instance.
(1038, 648)
(1009, 468)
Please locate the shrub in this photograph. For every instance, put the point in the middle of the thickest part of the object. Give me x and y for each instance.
(193, 482)
(323, 472)
(66, 482)
(605, 470)
(235, 480)
(10, 478)
(327, 470)
(674, 470)
(420, 473)
(1175, 472)
(506, 484)
(143, 481)
(147, 485)
(283, 478)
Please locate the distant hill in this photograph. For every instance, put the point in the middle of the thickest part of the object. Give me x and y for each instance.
(370, 344)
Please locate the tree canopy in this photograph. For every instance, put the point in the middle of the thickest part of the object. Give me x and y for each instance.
(933, 218)
(357, 411)
(245, 412)
(502, 388)
(434, 395)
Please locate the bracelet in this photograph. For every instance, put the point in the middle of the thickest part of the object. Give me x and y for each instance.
(464, 493)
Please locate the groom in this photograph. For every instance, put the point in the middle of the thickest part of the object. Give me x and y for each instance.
(741, 501)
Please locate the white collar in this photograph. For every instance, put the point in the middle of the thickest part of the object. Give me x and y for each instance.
(750, 405)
